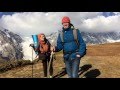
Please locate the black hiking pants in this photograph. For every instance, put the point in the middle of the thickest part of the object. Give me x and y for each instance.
(45, 67)
(45, 60)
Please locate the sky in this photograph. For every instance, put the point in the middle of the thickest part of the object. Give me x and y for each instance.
(26, 24)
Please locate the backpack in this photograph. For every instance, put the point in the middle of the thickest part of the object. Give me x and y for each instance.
(75, 32)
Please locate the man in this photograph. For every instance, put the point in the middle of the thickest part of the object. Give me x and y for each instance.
(72, 51)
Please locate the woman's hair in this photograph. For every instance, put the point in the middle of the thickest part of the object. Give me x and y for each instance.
(40, 36)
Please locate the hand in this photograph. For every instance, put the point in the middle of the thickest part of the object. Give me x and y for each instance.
(52, 48)
(77, 55)
(31, 45)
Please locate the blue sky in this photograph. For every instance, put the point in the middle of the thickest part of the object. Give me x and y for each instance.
(6, 13)
(106, 14)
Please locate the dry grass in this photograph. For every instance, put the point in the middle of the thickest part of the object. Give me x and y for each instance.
(105, 58)
(104, 50)
(8, 65)
(101, 61)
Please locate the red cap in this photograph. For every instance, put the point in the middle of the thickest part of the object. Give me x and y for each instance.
(66, 19)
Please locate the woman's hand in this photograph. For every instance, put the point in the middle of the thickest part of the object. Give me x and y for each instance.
(52, 48)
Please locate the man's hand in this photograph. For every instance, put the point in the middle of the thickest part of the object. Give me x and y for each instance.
(77, 55)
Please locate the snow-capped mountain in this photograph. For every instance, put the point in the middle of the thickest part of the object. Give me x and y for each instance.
(93, 38)
(52, 38)
(10, 45)
(100, 38)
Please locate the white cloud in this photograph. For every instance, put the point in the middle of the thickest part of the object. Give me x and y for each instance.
(116, 13)
(101, 24)
(28, 23)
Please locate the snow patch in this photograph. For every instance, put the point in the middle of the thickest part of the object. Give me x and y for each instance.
(112, 41)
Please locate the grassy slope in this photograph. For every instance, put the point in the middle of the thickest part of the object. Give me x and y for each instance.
(101, 61)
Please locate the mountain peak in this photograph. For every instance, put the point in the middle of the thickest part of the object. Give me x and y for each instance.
(10, 45)
(93, 38)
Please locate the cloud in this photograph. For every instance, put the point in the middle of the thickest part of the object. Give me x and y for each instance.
(101, 24)
(28, 23)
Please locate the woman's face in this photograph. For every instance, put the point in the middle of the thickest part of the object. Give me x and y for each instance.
(42, 37)
(66, 25)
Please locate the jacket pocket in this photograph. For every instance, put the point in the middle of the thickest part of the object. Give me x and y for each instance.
(73, 56)
(66, 56)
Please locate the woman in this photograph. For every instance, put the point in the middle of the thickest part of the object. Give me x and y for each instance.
(44, 54)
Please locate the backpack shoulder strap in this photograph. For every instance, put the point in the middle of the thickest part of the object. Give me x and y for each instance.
(75, 34)
(48, 43)
(61, 35)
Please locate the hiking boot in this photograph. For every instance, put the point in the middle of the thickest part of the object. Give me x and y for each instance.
(44, 77)
(83, 77)
(50, 77)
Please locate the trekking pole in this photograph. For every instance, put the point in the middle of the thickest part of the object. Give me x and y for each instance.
(32, 62)
(49, 63)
